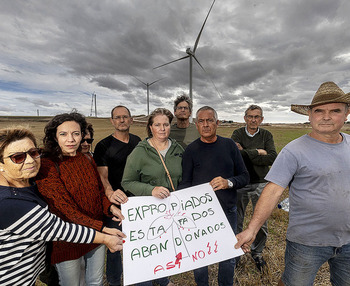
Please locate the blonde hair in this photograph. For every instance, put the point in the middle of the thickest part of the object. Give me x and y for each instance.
(156, 112)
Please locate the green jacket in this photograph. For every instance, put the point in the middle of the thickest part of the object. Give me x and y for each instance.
(144, 169)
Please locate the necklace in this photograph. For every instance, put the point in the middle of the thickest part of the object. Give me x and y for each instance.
(156, 147)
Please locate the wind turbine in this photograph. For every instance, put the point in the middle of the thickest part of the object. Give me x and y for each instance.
(147, 85)
(192, 54)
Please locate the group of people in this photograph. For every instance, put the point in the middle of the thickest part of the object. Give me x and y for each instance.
(66, 194)
(54, 198)
(316, 168)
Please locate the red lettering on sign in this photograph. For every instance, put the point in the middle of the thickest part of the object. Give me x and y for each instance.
(200, 254)
(158, 268)
(209, 250)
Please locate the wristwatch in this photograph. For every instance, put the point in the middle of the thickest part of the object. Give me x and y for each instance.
(230, 184)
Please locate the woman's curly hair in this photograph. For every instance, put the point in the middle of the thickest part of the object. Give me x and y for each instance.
(51, 147)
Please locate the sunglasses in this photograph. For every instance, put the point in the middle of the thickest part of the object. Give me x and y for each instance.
(89, 141)
(20, 157)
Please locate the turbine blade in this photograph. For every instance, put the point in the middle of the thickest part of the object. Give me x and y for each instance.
(156, 81)
(171, 62)
(200, 32)
(138, 79)
(199, 63)
(208, 76)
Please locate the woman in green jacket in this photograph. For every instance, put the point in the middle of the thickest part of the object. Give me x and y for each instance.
(145, 174)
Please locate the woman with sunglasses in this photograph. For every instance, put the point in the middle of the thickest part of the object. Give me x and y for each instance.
(25, 222)
(69, 182)
(87, 140)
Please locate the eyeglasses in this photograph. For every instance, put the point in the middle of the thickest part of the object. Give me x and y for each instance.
(124, 117)
(256, 117)
(88, 140)
(20, 157)
(182, 107)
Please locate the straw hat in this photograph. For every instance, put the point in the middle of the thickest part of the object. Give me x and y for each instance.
(328, 92)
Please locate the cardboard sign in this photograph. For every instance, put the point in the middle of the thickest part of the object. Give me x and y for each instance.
(188, 230)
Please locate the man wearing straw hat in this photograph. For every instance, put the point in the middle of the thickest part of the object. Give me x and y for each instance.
(316, 168)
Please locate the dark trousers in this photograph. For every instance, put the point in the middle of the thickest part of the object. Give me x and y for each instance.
(251, 192)
(114, 266)
(227, 267)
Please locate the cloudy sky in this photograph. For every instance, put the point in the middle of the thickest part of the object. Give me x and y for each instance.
(55, 54)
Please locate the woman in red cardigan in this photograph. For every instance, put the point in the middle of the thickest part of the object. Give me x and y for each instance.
(69, 182)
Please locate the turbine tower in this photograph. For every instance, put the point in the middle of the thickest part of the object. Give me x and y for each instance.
(147, 86)
(192, 54)
(93, 102)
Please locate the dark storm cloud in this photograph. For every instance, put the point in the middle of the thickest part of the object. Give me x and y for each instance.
(110, 83)
(265, 52)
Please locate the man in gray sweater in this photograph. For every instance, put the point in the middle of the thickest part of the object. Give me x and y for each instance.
(183, 131)
(258, 151)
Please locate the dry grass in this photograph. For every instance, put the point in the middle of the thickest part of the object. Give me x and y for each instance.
(246, 272)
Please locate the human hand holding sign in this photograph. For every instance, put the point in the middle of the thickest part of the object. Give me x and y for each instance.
(118, 197)
(112, 238)
(114, 242)
(245, 239)
(160, 192)
(112, 231)
(117, 214)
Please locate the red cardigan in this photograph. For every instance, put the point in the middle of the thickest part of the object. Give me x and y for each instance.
(73, 190)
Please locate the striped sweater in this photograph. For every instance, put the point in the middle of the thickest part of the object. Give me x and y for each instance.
(25, 227)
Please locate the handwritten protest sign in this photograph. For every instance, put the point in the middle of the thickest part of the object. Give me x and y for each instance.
(186, 231)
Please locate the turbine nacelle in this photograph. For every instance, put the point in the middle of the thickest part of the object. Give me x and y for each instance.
(189, 52)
